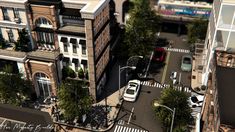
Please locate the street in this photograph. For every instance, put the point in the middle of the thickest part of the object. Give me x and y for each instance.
(142, 117)
(139, 115)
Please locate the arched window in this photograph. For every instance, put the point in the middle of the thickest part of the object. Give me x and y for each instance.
(43, 22)
(43, 84)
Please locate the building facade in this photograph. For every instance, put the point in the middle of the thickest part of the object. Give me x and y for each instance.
(220, 34)
(218, 111)
(183, 10)
(63, 33)
(13, 18)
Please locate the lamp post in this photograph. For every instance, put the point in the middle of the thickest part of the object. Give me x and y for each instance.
(119, 77)
(156, 104)
(127, 62)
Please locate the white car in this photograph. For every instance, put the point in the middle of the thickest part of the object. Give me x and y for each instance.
(132, 90)
(173, 77)
(196, 101)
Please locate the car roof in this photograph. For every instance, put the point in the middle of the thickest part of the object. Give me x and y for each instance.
(187, 56)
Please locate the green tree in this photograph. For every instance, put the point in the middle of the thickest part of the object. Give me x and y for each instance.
(23, 41)
(2, 43)
(197, 30)
(74, 99)
(178, 100)
(141, 28)
(13, 88)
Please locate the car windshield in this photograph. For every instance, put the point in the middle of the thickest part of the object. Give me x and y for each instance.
(187, 60)
(132, 84)
(130, 91)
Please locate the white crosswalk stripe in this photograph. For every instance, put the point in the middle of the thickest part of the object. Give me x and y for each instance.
(158, 85)
(119, 128)
(177, 50)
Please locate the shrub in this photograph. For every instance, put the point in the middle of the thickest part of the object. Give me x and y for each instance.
(87, 75)
(81, 73)
(68, 72)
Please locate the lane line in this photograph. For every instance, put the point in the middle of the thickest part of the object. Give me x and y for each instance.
(165, 68)
(132, 110)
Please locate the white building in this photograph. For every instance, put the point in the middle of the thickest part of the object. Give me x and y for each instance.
(220, 35)
(12, 19)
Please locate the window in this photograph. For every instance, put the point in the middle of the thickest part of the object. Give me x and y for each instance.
(43, 22)
(83, 43)
(5, 13)
(44, 84)
(10, 36)
(16, 12)
(74, 49)
(45, 37)
(65, 48)
(1, 34)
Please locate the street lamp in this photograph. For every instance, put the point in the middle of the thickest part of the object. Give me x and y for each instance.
(156, 104)
(127, 62)
(119, 77)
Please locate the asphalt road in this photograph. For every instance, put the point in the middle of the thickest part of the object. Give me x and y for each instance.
(142, 117)
(173, 60)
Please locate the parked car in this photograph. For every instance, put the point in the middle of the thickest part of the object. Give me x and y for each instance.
(132, 90)
(159, 54)
(173, 77)
(186, 63)
(196, 101)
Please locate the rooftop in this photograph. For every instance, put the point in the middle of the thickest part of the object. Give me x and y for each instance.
(226, 89)
(225, 59)
(24, 117)
(229, 1)
(12, 55)
(72, 28)
(43, 55)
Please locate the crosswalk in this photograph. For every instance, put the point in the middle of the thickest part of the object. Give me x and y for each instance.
(177, 50)
(119, 128)
(158, 85)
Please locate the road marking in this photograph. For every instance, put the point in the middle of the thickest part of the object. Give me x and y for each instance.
(177, 50)
(165, 68)
(150, 59)
(127, 129)
(132, 110)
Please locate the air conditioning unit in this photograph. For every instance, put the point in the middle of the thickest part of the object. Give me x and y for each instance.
(17, 20)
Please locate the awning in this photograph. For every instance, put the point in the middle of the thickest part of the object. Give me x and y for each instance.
(64, 39)
(84, 62)
(73, 40)
(65, 59)
(82, 42)
(75, 60)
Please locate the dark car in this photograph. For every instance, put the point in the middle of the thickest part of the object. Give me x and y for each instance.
(159, 54)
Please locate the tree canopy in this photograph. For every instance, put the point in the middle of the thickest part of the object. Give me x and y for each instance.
(178, 100)
(74, 99)
(13, 88)
(197, 30)
(141, 28)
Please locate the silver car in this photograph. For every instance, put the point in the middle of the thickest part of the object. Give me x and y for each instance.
(186, 63)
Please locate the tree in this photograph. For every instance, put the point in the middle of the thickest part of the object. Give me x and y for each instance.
(13, 88)
(197, 30)
(22, 42)
(178, 100)
(2, 43)
(74, 99)
(141, 29)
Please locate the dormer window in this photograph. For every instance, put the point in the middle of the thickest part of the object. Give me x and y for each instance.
(43, 22)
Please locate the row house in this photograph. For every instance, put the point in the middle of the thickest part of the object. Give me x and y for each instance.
(13, 18)
(65, 33)
(218, 110)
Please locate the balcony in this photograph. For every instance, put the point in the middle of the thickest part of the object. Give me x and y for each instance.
(45, 46)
